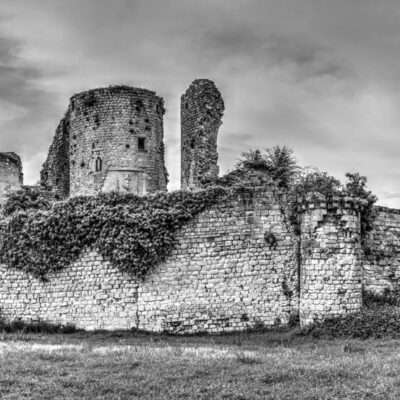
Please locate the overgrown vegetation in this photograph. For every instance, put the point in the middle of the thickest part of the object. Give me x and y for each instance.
(28, 198)
(133, 232)
(136, 233)
(19, 327)
(279, 164)
(379, 317)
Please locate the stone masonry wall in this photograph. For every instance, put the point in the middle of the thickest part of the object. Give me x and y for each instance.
(225, 273)
(10, 174)
(202, 108)
(90, 293)
(331, 271)
(106, 126)
(381, 251)
(111, 139)
(55, 171)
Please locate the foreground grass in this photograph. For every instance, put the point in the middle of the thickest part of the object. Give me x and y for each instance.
(236, 367)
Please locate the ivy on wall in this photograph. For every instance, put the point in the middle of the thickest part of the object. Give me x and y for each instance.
(132, 232)
(28, 198)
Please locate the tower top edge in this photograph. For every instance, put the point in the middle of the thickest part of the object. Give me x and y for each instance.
(115, 89)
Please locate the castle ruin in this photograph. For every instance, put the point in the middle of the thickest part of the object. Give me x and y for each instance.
(234, 266)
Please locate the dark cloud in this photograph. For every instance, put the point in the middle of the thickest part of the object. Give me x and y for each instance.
(320, 76)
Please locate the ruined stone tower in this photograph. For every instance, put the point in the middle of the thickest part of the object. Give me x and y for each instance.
(202, 108)
(111, 139)
(10, 174)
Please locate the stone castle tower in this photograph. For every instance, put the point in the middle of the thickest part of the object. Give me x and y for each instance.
(10, 174)
(202, 108)
(111, 139)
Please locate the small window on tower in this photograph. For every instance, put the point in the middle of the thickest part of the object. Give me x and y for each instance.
(142, 144)
(99, 164)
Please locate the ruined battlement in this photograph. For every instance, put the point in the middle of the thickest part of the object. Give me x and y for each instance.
(333, 203)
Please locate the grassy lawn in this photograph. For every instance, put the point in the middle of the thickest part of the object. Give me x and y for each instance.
(121, 365)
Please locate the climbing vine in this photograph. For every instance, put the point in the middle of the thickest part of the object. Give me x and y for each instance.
(28, 198)
(132, 232)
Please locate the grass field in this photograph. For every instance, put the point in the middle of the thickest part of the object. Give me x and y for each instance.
(274, 365)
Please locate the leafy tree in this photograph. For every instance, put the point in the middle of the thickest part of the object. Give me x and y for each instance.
(282, 164)
(277, 162)
(356, 186)
(253, 159)
(312, 180)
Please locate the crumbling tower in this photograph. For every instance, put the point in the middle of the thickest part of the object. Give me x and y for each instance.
(114, 142)
(10, 174)
(202, 108)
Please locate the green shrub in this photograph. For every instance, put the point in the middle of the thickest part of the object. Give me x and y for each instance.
(133, 232)
(18, 326)
(375, 322)
(379, 317)
(356, 186)
(277, 162)
(387, 297)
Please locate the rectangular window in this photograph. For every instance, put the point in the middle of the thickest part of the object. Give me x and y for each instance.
(142, 144)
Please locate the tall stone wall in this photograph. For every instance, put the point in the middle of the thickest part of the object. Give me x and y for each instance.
(331, 272)
(381, 251)
(55, 171)
(235, 266)
(202, 108)
(10, 174)
(111, 139)
(225, 273)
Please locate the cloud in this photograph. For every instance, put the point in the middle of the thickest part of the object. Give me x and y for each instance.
(320, 76)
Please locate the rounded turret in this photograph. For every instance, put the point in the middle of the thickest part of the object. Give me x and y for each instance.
(116, 141)
(110, 139)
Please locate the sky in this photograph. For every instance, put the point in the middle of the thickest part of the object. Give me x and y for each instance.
(319, 76)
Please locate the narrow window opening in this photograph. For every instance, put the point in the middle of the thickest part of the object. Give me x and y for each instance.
(127, 146)
(99, 164)
(192, 143)
(141, 144)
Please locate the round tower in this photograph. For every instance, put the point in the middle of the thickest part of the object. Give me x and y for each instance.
(116, 141)
(202, 108)
(10, 174)
(330, 270)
